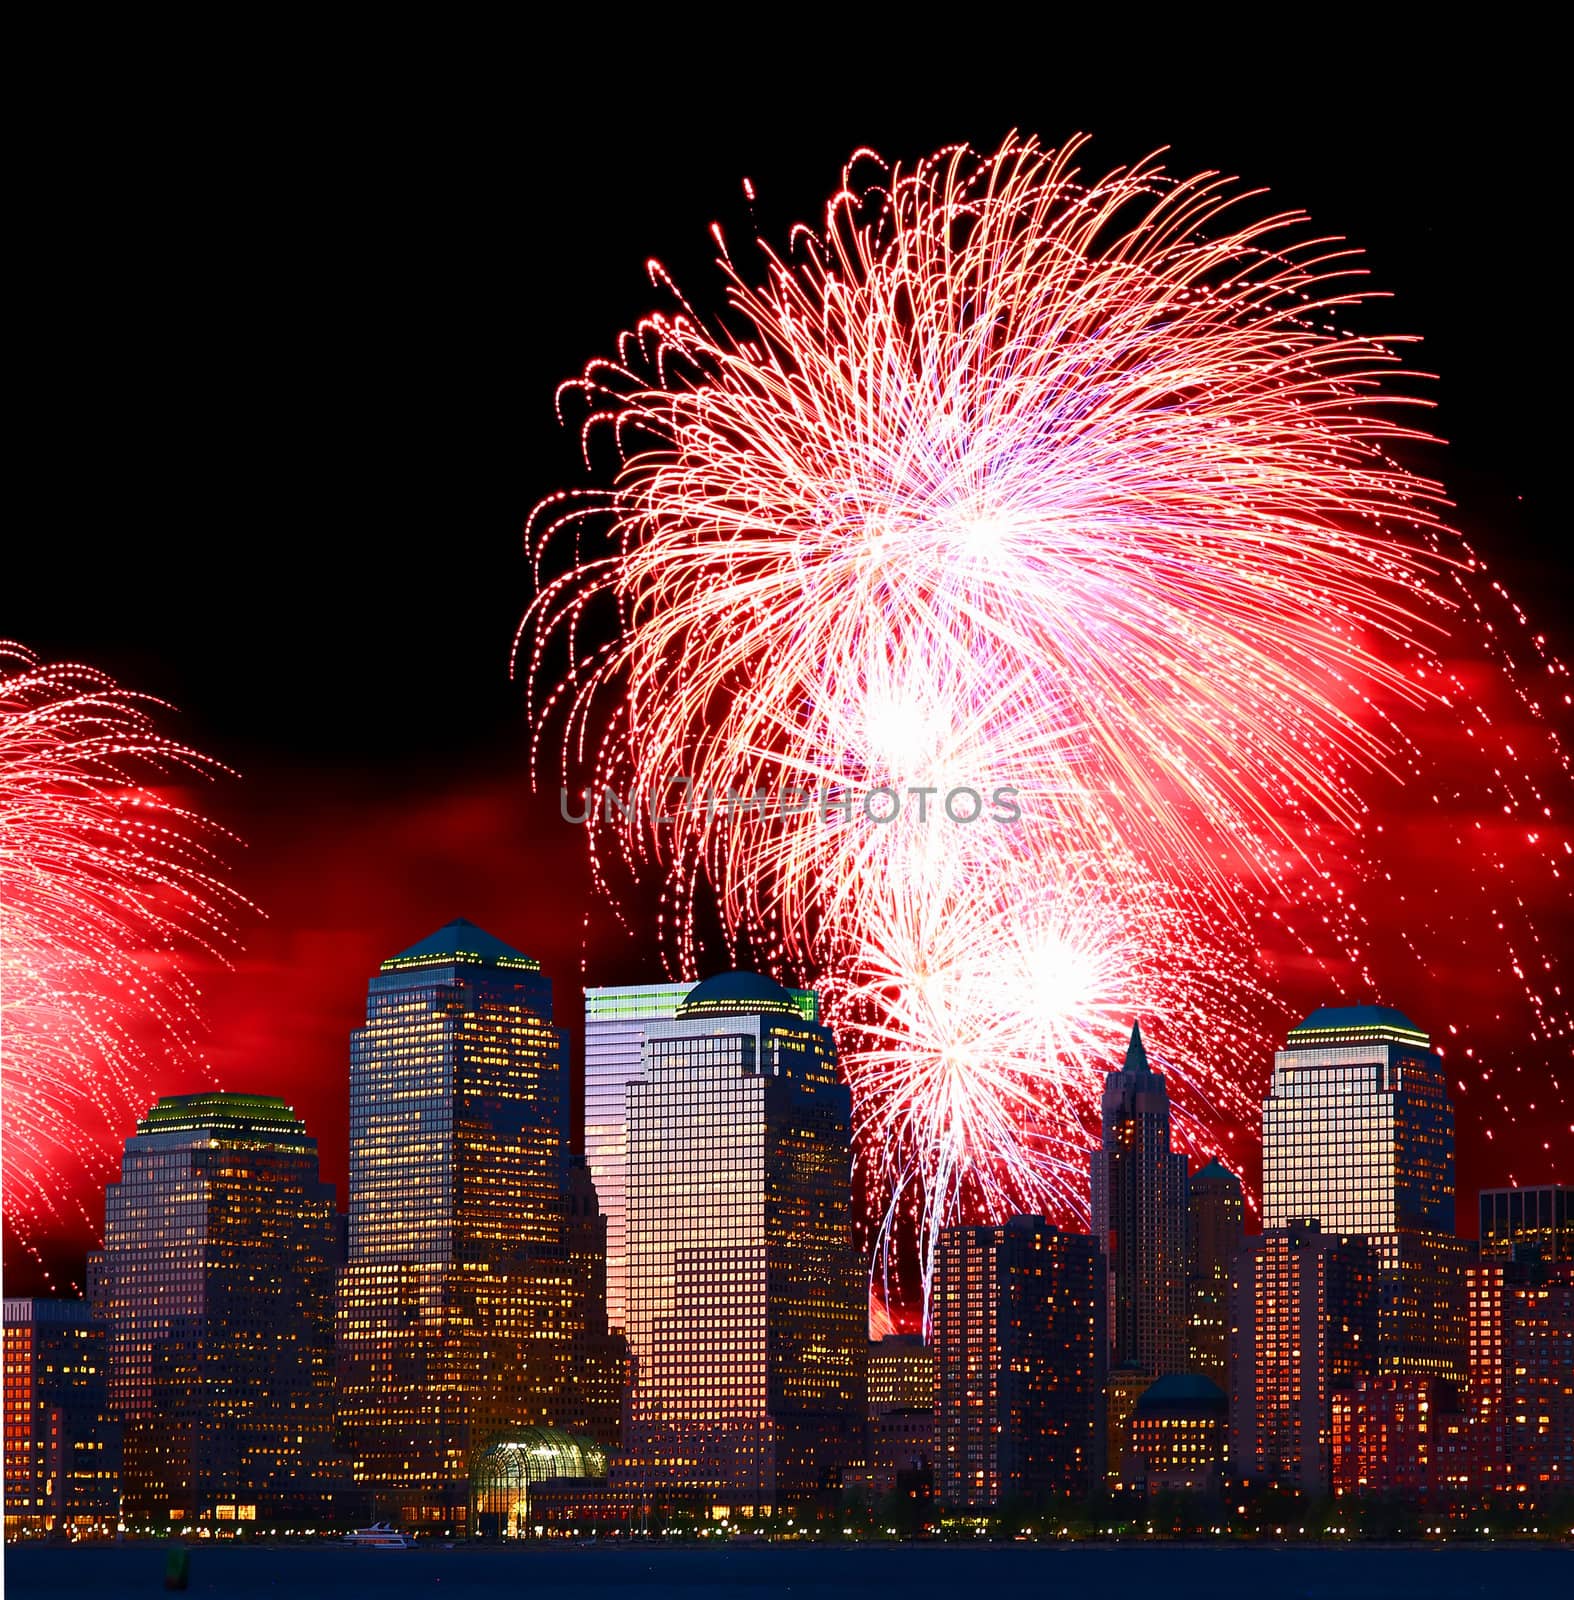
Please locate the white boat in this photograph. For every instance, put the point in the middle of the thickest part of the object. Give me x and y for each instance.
(380, 1536)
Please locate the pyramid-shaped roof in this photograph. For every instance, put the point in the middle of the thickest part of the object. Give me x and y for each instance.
(460, 941)
(1136, 1055)
(1215, 1169)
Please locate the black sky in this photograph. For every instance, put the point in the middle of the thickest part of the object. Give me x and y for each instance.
(294, 312)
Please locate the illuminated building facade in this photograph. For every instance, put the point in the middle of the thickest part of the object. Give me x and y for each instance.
(1303, 1323)
(1392, 1436)
(1019, 1338)
(216, 1285)
(1358, 1134)
(1538, 1220)
(459, 1306)
(1178, 1431)
(1215, 1228)
(616, 1018)
(901, 1374)
(1139, 1218)
(1521, 1390)
(747, 1305)
(62, 1452)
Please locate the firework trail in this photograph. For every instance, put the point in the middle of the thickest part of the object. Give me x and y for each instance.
(1003, 478)
(106, 886)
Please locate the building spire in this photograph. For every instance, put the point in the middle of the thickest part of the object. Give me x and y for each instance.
(1136, 1056)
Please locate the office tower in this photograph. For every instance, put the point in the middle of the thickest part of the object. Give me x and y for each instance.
(216, 1284)
(1215, 1228)
(1358, 1133)
(1537, 1220)
(1303, 1322)
(598, 1358)
(1392, 1436)
(1139, 1218)
(457, 1307)
(62, 1451)
(1521, 1388)
(1019, 1339)
(747, 1303)
(901, 1373)
(1178, 1431)
(616, 1018)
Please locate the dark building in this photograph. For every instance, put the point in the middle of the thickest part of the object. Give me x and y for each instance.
(1019, 1341)
(598, 1372)
(1303, 1323)
(1178, 1432)
(216, 1286)
(1358, 1133)
(747, 1302)
(1216, 1226)
(1537, 1220)
(459, 1307)
(1139, 1219)
(1521, 1390)
(62, 1451)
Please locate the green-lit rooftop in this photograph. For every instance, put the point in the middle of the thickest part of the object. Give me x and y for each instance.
(218, 1111)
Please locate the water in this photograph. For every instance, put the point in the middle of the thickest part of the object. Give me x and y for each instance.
(909, 1572)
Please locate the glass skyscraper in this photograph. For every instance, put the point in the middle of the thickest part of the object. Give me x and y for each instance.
(1139, 1218)
(460, 1305)
(216, 1284)
(1536, 1220)
(616, 1018)
(747, 1304)
(1358, 1134)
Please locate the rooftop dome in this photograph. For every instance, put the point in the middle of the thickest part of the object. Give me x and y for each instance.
(1357, 1025)
(738, 994)
(1185, 1392)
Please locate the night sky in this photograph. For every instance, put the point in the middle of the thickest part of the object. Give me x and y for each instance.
(293, 329)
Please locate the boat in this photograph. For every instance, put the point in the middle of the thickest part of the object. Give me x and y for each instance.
(380, 1536)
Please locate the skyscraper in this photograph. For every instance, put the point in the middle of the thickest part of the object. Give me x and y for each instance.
(1303, 1322)
(1139, 1218)
(1538, 1219)
(216, 1284)
(747, 1303)
(616, 1018)
(1358, 1133)
(458, 1306)
(62, 1451)
(1020, 1345)
(1216, 1224)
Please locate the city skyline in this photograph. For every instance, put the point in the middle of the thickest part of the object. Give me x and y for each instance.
(242, 1356)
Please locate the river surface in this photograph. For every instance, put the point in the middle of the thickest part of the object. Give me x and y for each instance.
(867, 1572)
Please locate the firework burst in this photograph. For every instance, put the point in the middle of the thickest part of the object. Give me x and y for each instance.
(1003, 478)
(107, 887)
